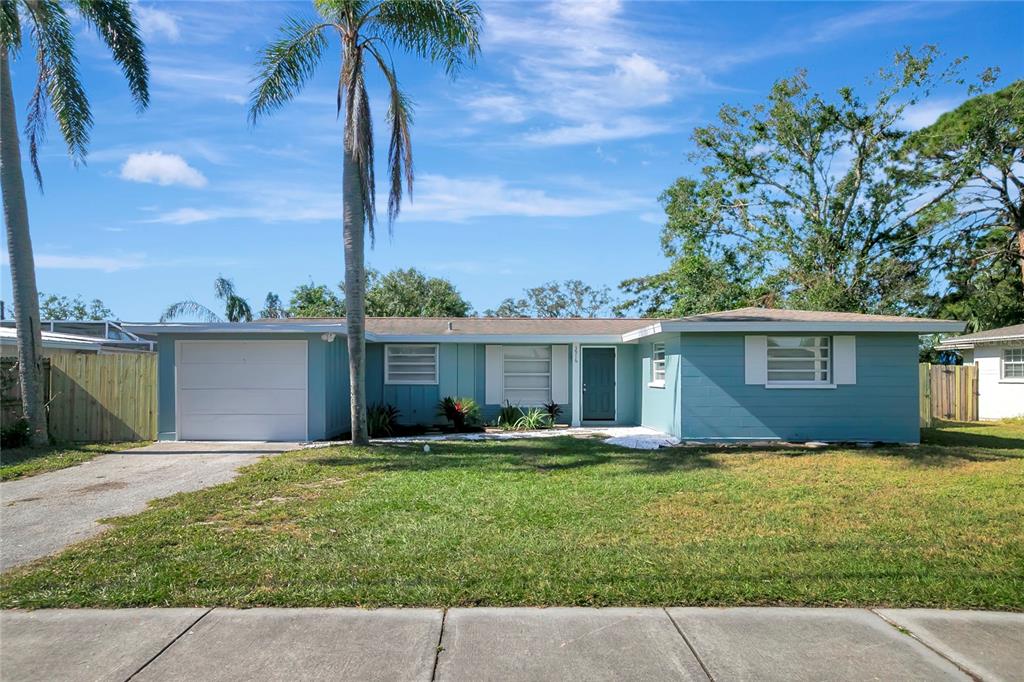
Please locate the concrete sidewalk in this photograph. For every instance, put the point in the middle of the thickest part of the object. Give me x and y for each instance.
(510, 644)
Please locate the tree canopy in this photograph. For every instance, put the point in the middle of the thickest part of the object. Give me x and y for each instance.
(399, 293)
(805, 200)
(571, 298)
(54, 307)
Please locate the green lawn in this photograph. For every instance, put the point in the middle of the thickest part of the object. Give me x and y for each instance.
(573, 522)
(22, 462)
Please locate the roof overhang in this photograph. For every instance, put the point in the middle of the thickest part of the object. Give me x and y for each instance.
(235, 328)
(954, 344)
(909, 326)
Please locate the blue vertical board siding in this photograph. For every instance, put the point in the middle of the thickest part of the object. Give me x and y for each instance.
(660, 408)
(881, 406)
(320, 389)
(461, 373)
(337, 405)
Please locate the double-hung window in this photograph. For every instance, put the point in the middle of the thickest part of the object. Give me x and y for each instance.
(410, 364)
(799, 360)
(1013, 363)
(658, 364)
(526, 375)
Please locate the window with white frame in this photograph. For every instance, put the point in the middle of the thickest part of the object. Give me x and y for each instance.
(796, 360)
(410, 364)
(658, 364)
(527, 374)
(1013, 363)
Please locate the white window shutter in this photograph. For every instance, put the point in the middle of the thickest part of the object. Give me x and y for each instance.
(493, 380)
(845, 356)
(756, 359)
(560, 374)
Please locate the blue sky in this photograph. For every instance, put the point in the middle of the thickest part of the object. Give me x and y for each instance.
(543, 162)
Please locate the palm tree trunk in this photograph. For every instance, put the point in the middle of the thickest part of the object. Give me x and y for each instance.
(355, 281)
(22, 264)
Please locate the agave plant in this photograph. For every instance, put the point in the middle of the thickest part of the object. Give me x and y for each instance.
(533, 419)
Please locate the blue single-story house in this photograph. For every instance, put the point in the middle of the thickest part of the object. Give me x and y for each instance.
(746, 374)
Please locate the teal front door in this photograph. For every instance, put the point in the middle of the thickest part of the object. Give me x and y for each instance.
(598, 384)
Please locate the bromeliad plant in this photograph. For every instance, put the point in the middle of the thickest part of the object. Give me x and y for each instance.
(554, 411)
(460, 412)
(508, 416)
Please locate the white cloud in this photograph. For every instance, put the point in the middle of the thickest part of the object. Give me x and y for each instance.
(925, 113)
(580, 68)
(161, 169)
(619, 129)
(438, 198)
(503, 108)
(156, 22)
(130, 261)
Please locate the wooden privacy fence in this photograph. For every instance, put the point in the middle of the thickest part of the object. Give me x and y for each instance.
(98, 397)
(948, 392)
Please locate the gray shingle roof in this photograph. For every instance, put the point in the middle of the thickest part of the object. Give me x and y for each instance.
(1013, 332)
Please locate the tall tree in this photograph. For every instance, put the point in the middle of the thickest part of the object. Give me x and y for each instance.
(445, 31)
(979, 148)
(804, 200)
(571, 298)
(54, 307)
(273, 308)
(410, 293)
(236, 308)
(315, 300)
(59, 89)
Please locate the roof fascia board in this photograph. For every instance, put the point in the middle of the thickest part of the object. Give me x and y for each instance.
(971, 343)
(915, 326)
(494, 338)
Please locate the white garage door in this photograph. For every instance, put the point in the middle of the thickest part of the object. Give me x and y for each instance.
(241, 390)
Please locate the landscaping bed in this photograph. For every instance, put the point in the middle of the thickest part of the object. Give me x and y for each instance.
(569, 521)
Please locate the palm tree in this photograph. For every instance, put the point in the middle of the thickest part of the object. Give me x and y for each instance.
(236, 308)
(59, 89)
(446, 31)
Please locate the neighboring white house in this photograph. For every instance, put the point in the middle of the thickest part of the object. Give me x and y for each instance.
(999, 356)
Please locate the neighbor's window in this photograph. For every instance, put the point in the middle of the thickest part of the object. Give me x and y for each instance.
(410, 364)
(1013, 363)
(799, 360)
(527, 374)
(658, 363)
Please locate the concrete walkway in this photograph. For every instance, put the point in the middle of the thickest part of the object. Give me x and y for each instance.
(511, 644)
(43, 514)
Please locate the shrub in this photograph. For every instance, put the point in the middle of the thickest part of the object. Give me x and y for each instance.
(460, 412)
(509, 415)
(554, 410)
(381, 420)
(15, 435)
(533, 419)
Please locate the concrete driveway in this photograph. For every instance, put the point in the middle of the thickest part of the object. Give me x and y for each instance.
(44, 514)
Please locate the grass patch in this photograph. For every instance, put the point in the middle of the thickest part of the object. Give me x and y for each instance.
(22, 462)
(563, 521)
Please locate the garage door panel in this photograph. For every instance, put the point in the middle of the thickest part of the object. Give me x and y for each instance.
(244, 427)
(234, 401)
(241, 352)
(261, 376)
(241, 390)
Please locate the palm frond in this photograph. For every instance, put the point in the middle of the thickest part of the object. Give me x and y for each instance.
(115, 24)
(10, 26)
(58, 81)
(189, 308)
(446, 31)
(285, 65)
(223, 288)
(400, 147)
(359, 133)
(237, 309)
